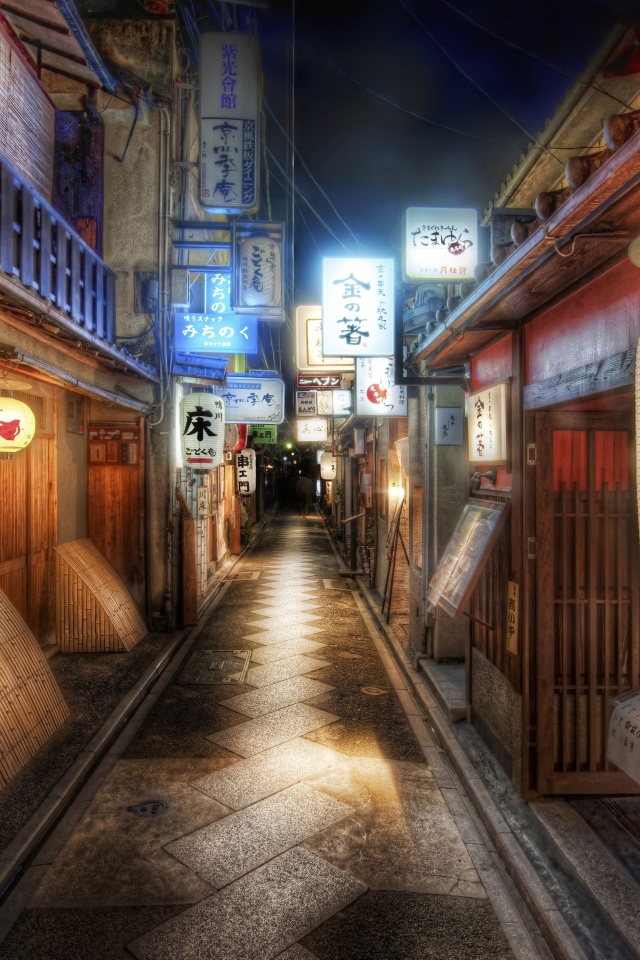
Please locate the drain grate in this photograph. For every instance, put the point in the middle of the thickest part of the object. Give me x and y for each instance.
(147, 809)
(216, 666)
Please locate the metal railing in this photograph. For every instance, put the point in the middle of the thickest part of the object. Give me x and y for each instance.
(47, 256)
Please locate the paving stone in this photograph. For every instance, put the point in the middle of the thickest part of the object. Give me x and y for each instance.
(276, 634)
(257, 917)
(289, 648)
(283, 669)
(276, 695)
(227, 849)
(267, 619)
(296, 952)
(283, 602)
(253, 736)
(250, 780)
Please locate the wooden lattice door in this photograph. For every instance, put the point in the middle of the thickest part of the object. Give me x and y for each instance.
(587, 635)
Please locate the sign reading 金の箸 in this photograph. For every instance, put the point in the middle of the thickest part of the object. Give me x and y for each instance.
(229, 122)
(218, 328)
(487, 427)
(440, 243)
(358, 307)
(377, 393)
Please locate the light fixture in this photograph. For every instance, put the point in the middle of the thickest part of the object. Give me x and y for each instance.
(476, 479)
(17, 425)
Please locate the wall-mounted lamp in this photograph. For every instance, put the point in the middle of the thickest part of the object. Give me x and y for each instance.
(476, 479)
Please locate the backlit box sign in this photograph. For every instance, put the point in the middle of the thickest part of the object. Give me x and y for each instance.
(245, 472)
(440, 243)
(258, 269)
(263, 433)
(377, 393)
(487, 426)
(358, 307)
(218, 329)
(308, 333)
(229, 122)
(312, 430)
(315, 381)
(252, 399)
(201, 426)
(323, 403)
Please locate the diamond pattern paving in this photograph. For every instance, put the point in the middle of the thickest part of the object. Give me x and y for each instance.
(276, 695)
(289, 648)
(257, 917)
(226, 850)
(283, 669)
(253, 736)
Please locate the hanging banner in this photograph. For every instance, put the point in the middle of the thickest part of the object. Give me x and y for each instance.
(201, 429)
(311, 430)
(377, 393)
(245, 472)
(309, 356)
(358, 307)
(328, 466)
(263, 432)
(217, 328)
(487, 431)
(440, 243)
(229, 122)
(249, 399)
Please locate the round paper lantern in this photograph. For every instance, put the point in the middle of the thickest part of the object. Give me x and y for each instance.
(328, 465)
(17, 425)
(201, 418)
(230, 436)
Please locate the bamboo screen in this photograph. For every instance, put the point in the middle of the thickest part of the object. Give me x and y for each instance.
(94, 611)
(31, 705)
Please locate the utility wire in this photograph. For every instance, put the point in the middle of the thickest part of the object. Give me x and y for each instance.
(309, 174)
(475, 83)
(534, 56)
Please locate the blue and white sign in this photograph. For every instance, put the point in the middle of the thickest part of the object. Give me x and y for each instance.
(358, 307)
(218, 329)
(252, 399)
(441, 243)
(377, 393)
(229, 122)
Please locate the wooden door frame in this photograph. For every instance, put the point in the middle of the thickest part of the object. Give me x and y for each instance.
(549, 782)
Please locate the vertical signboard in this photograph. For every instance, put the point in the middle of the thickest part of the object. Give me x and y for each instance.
(358, 306)
(488, 425)
(246, 472)
(229, 122)
(217, 328)
(377, 393)
(201, 430)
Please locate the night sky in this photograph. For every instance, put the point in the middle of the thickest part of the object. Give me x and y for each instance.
(371, 158)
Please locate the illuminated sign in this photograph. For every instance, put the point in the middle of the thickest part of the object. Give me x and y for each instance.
(229, 94)
(264, 432)
(201, 430)
(218, 328)
(440, 243)
(249, 399)
(358, 307)
(309, 356)
(311, 430)
(487, 431)
(377, 393)
(245, 472)
(323, 403)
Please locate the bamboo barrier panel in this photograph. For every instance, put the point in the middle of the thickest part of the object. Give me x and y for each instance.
(31, 705)
(94, 611)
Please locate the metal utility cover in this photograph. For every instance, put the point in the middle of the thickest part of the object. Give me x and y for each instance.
(216, 666)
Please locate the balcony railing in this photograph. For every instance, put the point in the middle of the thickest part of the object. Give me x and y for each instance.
(41, 250)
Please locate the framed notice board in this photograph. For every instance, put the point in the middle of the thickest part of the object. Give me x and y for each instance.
(466, 555)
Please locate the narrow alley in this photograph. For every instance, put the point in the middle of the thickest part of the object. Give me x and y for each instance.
(277, 795)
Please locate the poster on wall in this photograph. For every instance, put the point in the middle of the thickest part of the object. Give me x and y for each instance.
(377, 393)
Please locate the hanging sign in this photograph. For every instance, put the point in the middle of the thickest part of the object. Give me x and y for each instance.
(309, 356)
(358, 307)
(328, 466)
(264, 432)
(252, 399)
(17, 425)
(230, 435)
(441, 243)
(313, 381)
(311, 430)
(513, 617)
(245, 472)
(218, 328)
(201, 427)
(203, 502)
(488, 425)
(377, 393)
(229, 122)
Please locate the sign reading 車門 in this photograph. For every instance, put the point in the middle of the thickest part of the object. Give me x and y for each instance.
(358, 305)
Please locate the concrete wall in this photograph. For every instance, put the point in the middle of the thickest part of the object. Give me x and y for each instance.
(72, 475)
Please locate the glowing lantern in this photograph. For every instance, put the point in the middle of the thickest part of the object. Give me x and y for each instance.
(328, 465)
(17, 425)
(201, 426)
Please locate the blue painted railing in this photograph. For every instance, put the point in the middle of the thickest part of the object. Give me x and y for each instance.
(41, 250)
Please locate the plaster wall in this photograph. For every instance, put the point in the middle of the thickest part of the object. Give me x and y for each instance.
(417, 516)
(497, 714)
(72, 476)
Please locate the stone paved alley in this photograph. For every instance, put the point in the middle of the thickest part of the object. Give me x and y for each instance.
(299, 805)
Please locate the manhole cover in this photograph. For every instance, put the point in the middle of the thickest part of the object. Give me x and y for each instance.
(149, 808)
(216, 666)
(373, 691)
